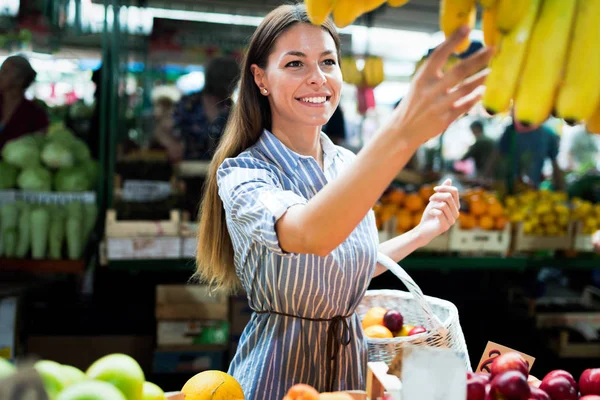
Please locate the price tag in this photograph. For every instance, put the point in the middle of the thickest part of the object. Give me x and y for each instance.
(57, 198)
(493, 350)
(25, 384)
(140, 191)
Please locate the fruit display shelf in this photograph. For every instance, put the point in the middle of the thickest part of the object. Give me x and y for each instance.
(415, 262)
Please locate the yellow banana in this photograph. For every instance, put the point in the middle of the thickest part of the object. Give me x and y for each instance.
(370, 5)
(488, 3)
(373, 71)
(507, 64)
(453, 15)
(345, 12)
(593, 123)
(319, 10)
(510, 12)
(397, 3)
(580, 89)
(491, 34)
(544, 62)
(350, 71)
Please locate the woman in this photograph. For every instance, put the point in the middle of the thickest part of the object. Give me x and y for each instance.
(287, 214)
(18, 116)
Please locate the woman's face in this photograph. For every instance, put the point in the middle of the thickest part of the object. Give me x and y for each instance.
(10, 76)
(302, 77)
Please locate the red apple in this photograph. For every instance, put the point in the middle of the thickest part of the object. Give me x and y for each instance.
(487, 378)
(560, 372)
(393, 320)
(589, 381)
(509, 362)
(488, 394)
(510, 385)
(559, 388)
(590, 397)
(475, 389)
(538, 394)
(416, 330)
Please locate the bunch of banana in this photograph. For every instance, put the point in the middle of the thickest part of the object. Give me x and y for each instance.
(453, 15)
(507, 63)
(373, 72)
(511, 12)
(344, 12)
(544, 62)
(593, 123)
(350, 71)
(491, 34)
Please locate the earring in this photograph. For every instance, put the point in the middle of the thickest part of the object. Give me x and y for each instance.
(265, 91)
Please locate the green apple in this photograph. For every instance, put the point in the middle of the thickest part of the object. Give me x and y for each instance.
(122, 371)
(91, 390)
(6, 368)
(73, 375)
(152, 392)
(52, 376)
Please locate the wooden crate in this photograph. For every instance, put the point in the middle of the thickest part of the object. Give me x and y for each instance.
(189, 169)
(566, 349)
(188, 232)
(480, 241)
(526, 243)
(142, 229)
(187, 302)
(581, 241)
(143, 248)
(590, 299)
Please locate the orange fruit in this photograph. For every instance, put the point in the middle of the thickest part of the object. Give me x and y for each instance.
(486, 223)
(301, 391)
(413, 202)
(373, 317)
(396, 196)
(500, 223)
(495, 209)
(378, 332)
(404, 220)
(426, 191)
(466, 221)
(477, 206)
(212, 385)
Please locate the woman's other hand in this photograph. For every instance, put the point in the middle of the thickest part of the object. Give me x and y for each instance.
(438, 98)
(441, 212)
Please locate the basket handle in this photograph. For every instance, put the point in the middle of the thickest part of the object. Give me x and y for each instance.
(412, 287)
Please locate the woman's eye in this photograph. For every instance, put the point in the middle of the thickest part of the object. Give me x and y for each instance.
(294, 64)
(330, 61)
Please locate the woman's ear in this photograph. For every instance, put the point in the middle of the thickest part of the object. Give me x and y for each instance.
(259, 76)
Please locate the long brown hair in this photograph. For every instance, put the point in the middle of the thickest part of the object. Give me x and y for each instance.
(249, 117)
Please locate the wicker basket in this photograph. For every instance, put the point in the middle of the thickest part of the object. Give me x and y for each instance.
(439, 317)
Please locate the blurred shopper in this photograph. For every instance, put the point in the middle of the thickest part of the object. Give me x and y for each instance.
(18, 115)
(480, 151)
(200, 118)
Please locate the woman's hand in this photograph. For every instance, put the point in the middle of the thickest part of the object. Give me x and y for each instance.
(435, 98)
(441, 212)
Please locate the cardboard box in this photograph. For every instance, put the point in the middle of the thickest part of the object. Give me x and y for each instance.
(189, 362)
(82, 351)
(174, 333)
(190, 302)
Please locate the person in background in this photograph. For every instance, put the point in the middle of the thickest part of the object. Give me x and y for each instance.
(481, 150)
(583, 151)
(199, 118)
(18, 115)
(531, 148)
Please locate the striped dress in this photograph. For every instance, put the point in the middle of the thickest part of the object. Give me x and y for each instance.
(304, 328)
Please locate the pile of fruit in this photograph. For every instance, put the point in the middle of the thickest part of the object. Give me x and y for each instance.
(481, 210)
(509, 379)
(113, 377)
(543, 213)
(50, 231)
(302, 391)
(381, 323)
(587, 214)
(406, 208)
(57, 161)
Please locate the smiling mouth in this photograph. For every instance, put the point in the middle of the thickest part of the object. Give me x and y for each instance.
(315, 100)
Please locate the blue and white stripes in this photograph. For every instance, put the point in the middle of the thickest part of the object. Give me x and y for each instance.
(275, 352)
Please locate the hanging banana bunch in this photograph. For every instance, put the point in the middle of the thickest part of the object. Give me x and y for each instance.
(350, 71)
(491, 34)
(453, 15)
(511, 12)
(373, 71)
(345, 12)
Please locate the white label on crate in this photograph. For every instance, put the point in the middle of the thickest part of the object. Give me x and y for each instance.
(136, 248)
(138, 190)
(57, 198)
(189, 247)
